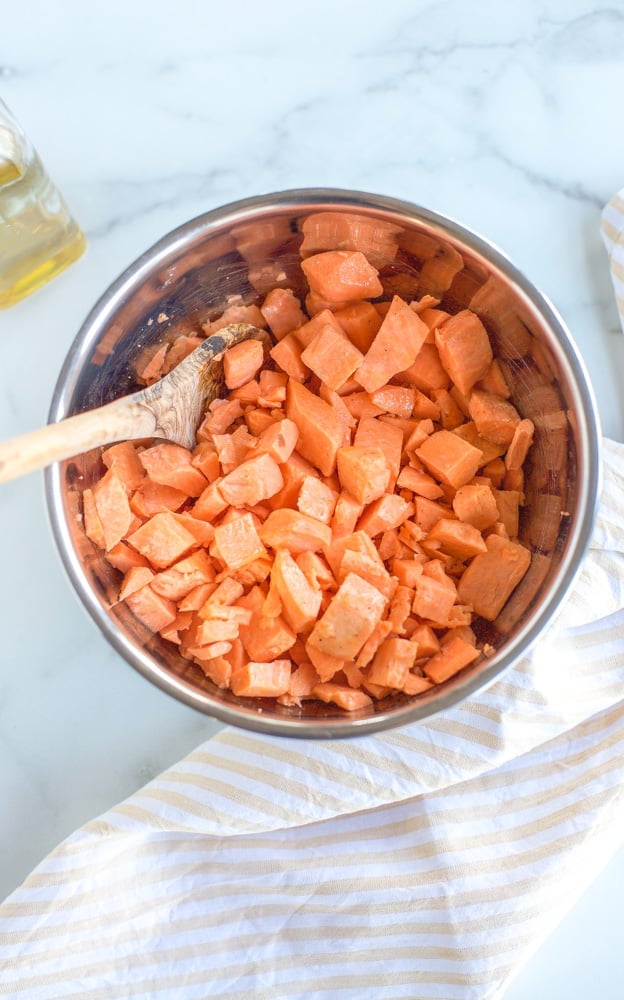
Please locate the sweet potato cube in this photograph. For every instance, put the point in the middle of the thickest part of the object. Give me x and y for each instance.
(261, 680)
(287, 355)
(475, 504)
(374, 433)
(264, 638)
(316, 499)
(162, 540)
(387, 512)
(177, 581)
(464, 348)
(433, 600)
(341, 276)
(321, 432)
(282, 311)
(111, 502)
(279, 440)
(363, 472)
(360, 321)
(255, 480)
(420, 483)
(454, 655)
(492, 576)
(496, 419)
(123, 458)
(463, 541)
(392, 662)
(238, 542)
(154, 611)
(347, 698)
(349, 619)
(241, 362)
(332, 357)
(296, 531)
(520, 444)
(427, 372)
(395, 347)
(300, 601)
(450, 459)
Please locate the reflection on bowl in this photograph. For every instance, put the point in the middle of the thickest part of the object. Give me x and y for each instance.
(240, 252)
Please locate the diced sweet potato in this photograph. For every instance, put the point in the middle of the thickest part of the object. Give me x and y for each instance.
(241, 362)
(341, 276)
(395, 347)
(252, 481)
(321, 432)
(496, 419)
(475, 504)
(492, 576)
(295, 531)
(345, 697)
(282, 311)
(123, 458)
(162, 540)
(453, 657)
(392, 662)
(238, 542)
(113, 508)
(300, 601)
(150, 608)
(449, 458)
(349, 619)
(464, 348)
(457, 539)
(261, 680)
(331, 356)
(316, 499)
(363, 472)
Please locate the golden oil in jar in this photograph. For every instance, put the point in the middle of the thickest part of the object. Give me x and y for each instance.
(38, 236)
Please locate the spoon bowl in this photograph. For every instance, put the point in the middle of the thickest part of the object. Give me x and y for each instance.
(170, 408)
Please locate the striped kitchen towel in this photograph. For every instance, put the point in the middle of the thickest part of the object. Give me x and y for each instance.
(426, 862)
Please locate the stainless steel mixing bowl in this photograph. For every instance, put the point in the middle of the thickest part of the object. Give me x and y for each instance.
(248, 247)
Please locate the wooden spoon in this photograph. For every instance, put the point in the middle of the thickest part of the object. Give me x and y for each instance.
(170, 408)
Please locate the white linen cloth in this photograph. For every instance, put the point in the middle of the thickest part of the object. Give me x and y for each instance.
(429, 861)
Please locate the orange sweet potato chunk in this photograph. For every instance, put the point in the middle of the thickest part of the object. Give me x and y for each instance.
(464, 348)
(171, 465)
(349, 619)
(492, 576)
(113, 508)
(261, 680)
(321, 432)
(363, 472)
(299, 599)
(162, 540)
(282, 311)
(253, 481)
(238, 542)
(347, 698)
(241, 363)
(342, 275)
(294, 530)
(332, 357)
(496, 419)
(449, 458)
(395, 347)
(453, 657)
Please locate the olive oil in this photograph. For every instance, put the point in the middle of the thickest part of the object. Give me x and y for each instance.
(38, 236)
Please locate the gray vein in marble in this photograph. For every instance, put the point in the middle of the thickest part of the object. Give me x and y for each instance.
(573, 190)
(182, 187)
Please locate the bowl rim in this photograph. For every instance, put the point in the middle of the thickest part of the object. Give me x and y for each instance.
(588, 437)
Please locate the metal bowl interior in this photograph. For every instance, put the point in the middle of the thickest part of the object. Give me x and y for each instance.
(245, 249)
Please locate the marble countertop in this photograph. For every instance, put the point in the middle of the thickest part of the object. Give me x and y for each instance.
(503, 117)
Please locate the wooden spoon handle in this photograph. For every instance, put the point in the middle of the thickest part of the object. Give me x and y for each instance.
(125, 418)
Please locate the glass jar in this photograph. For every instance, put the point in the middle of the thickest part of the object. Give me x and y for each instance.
(38, 236)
